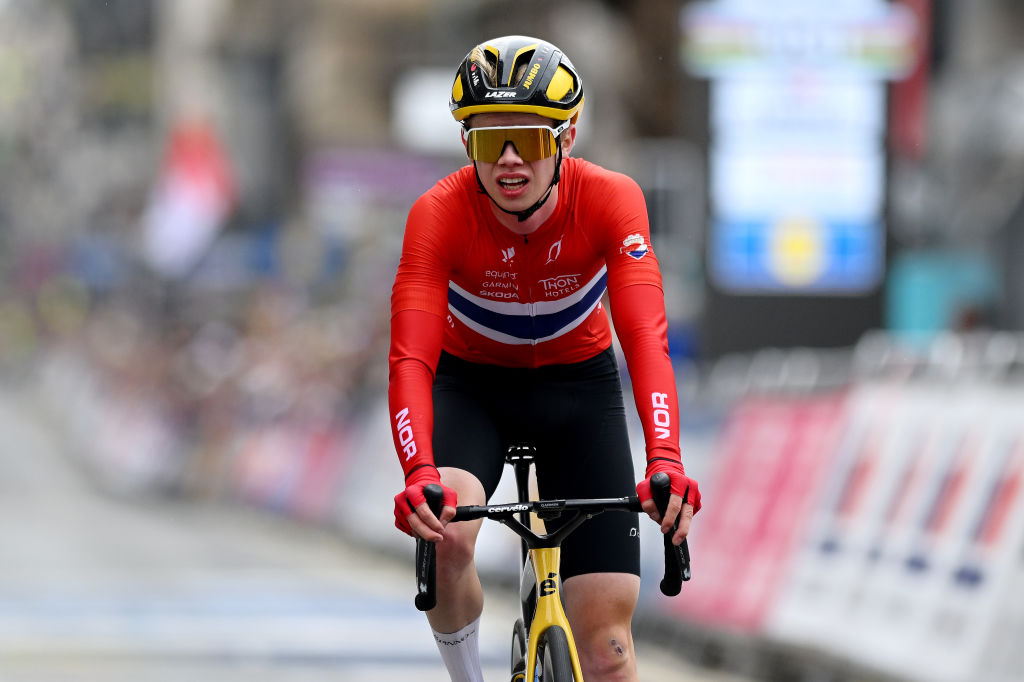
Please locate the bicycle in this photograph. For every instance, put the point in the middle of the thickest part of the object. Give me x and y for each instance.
(542, 633)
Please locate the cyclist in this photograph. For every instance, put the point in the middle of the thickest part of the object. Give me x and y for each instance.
(499, 335)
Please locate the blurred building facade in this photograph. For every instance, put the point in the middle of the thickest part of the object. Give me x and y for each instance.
(92, 90)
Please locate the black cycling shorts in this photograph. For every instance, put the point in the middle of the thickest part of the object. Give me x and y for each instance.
(574, 416)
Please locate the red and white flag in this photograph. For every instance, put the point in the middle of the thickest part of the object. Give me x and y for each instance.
(192, 198)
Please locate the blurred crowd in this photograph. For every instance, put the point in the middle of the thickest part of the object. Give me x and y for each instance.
(174, 404)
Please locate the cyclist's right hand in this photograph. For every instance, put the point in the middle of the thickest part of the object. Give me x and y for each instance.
(412, 515)
(683, 503)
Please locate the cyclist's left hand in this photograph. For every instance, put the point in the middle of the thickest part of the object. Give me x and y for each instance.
(683, 503)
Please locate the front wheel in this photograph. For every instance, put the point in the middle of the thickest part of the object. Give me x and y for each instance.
(553, 652)
(518, 651)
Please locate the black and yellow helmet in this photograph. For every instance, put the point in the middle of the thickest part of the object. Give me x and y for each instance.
(517, 74)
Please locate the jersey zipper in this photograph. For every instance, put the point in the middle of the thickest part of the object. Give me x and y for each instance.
(531, 304)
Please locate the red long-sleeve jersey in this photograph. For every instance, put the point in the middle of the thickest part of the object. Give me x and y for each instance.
(470, 286)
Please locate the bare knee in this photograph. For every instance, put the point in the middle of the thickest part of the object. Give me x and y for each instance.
(606, 653)
(455, 552)
(600, 609)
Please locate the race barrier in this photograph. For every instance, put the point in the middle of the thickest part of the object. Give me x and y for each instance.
(909, 552)
(755, 498)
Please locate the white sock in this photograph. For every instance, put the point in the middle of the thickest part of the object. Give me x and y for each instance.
(460, 652)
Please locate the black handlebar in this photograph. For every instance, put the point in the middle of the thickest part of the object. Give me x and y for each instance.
(677, 558)
(426, 555)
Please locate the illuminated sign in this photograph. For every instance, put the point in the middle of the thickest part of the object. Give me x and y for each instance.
(862, 37)
(797, 158)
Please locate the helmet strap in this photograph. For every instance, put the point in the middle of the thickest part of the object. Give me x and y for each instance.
(524, 215)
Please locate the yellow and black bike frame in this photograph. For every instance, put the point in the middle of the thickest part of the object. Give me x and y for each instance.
(549, 610)
(541, 555)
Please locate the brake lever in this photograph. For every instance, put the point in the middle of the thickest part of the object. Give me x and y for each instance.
(426, 555)
(677, 557)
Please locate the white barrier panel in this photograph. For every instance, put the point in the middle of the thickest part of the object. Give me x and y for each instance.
(960, 626)
(924, 521)
(911, 550)
(828, 563)
(1002, 658)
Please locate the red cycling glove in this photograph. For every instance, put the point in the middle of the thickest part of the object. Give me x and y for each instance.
(681, 484)
(412, 497)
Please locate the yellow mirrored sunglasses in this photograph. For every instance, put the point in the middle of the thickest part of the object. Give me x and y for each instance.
(532, 143)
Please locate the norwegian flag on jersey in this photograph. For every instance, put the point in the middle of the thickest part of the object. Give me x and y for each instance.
(191, 200)
(635, 247)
